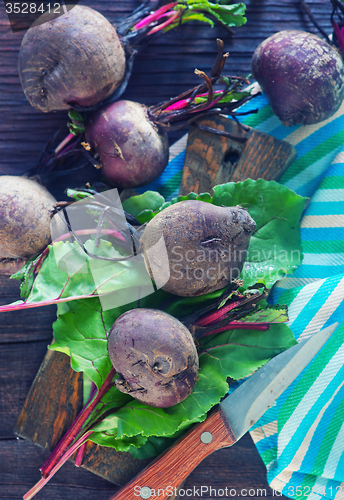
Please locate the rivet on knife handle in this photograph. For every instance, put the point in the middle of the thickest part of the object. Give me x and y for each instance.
(170, 469)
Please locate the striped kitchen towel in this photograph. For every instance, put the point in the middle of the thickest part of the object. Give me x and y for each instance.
(301, 438)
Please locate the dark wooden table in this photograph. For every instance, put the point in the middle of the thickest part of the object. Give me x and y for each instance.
(162, 71)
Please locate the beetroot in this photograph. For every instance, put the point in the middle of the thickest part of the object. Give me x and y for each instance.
(25, 209)
(192, 247)
(301, 75)
(154, 355)
(132, 150)
(73, 59)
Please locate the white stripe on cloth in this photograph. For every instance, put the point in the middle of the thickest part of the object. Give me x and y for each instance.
(324, 313)
(339, 158)
(325, 195)
(340, 492)
(335, 454)
(178, 147)
(302, 299)
(323, 259)
(264, 431)
(314, 496)
(303, 132)
(322, 221)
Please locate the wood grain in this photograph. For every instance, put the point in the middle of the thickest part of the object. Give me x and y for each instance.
(166, 473)
(52, 405)
(213, 159)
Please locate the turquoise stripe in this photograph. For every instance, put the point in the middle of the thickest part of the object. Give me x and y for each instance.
(322, 233)
(337, 316)
(340, 471)
(317, 272)
(275, 295)
(319, 435)
(282, 132)
(322, 134)
(309, 187)
(314, 304)
(267, 443)
(331, 447)
(325, 208)
(297, 434)
(290, 489)
(335, 169)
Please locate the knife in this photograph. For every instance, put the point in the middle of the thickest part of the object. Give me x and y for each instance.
(225, 424)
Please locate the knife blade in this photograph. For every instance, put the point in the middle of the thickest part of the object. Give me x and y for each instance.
(225, 424)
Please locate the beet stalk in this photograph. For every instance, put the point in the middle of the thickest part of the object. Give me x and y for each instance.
(75, 437)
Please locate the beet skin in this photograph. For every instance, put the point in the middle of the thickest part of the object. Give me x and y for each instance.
(25, 209)
(155, 357)
(132, 150)
(73, 59)
(301, 75)
(192, 247)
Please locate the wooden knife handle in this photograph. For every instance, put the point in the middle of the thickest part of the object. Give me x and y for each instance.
(164, 474)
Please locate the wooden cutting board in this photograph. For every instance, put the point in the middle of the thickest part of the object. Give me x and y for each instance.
(56, 395)
(53, 402)
(212, 159)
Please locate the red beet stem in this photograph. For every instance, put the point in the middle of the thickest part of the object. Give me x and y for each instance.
(237, 325)
(217, 315)
(76, 427)
(43, 481)
(171, 18)
(63, 143)
(146, 21)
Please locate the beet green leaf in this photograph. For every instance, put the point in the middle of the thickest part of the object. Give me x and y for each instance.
(81, 332)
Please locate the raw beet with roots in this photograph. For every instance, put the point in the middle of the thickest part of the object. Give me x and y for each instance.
(155, 357)
(73, 59)
(301, 75)
(192, 247)
(132, 149)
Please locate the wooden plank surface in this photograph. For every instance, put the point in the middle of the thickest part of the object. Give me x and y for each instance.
(162, 71)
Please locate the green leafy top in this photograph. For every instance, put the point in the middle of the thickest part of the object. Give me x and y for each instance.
(205, 11)
(82, 325)
(81, 332)
(178, 12)
(91, 294)
(68, 273)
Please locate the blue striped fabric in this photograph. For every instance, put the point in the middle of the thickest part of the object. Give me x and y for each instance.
(301, 438)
